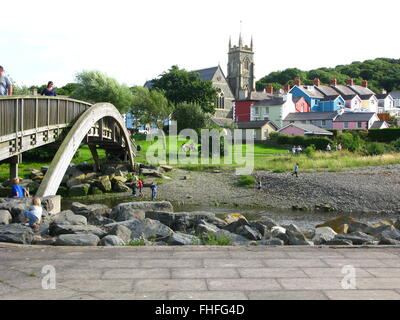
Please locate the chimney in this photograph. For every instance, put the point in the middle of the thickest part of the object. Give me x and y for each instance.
(286, 88)
(365, 83)
(350, 82)
(34, 92)
(384, 91)
(334, 82)
(297, 82)
(269, 89)
(317, 82)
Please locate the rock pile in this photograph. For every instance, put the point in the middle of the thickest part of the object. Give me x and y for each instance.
(81, 180)
(156, 224)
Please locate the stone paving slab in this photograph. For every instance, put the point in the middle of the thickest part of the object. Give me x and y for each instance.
(200, 273)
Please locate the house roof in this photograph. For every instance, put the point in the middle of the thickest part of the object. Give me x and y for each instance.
(330, 98)
(222, 121)
(256, 95)
(395, 94)
(327, 90)
(382, 96)
(377, 124)
(309, 129)
(300, 116)
(273, 101)
(206, 74)
(344, 91)
(363, 92)
(355, 116)
(296, 99)
(311, 91)
(255, 124)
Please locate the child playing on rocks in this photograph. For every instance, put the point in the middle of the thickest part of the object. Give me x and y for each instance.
(34, 215)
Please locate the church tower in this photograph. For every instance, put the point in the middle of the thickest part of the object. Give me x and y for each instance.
(241, 69)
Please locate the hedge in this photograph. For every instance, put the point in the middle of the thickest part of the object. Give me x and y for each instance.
(320, 143)
(384, 135)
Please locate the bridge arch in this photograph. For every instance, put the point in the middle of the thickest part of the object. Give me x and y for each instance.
(85, 123)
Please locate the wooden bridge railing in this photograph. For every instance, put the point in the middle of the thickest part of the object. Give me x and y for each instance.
(27, 122)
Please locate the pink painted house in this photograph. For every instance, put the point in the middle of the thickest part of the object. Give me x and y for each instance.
(358, 121)
(300, 129)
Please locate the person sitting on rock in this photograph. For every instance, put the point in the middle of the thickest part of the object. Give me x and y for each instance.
(17, 191)
(33, 216)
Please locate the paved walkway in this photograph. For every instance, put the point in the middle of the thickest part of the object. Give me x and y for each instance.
(236, 273)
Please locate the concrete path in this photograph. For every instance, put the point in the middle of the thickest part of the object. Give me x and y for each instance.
(231, 273)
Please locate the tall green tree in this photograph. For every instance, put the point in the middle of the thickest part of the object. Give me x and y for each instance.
(181, 86)
(189, 116)
(150, 106)
(95, 86)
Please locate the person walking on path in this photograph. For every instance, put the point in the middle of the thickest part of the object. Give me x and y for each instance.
(17, 191)
(296, 170)
(153, 188)
(5, 84)
(49, 90)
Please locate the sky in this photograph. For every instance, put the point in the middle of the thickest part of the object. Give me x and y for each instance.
(135, 41)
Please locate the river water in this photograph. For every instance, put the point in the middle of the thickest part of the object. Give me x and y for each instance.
(303, 219)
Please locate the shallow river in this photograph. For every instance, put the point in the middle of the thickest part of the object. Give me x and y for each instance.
(303, 219)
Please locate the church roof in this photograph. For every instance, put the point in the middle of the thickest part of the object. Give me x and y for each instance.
(207, 74)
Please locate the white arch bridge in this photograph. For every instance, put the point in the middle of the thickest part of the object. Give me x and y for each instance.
(29, 122)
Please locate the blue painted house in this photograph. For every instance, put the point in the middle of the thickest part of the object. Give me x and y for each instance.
(309, 93)
(320, 98)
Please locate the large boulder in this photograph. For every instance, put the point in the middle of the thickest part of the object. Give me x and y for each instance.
(123, 212)
(104, 184)
(323, 234)
(56, 229)
(339, 242)
(249, 233)
(120, 187)
(16, 233)
(358, 226)
(146, 229)
(181, 221)
(67, 217)
(235, 225)
(261, 228)
(121, 231)
(5, 217)
(235, 238)
(339, 224)
(164, 206)
(111, 240)
(386, 231)
(90, 210)
(269, 223)
(280, 233)
(77, 240)
(296, 237)
(204, 228)
(229, 218)
(357, 238)
(100, 220)
(183, 239)
(79, 190)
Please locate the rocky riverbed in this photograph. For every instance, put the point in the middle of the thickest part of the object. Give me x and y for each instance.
(374, 190)
(156, 224)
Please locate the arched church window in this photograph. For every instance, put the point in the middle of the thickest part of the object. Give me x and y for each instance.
(246, 64)
(220, 101)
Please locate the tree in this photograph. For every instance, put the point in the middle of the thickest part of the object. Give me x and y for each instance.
(189, 116)
(181, 86)
(150, 106)
(95, 86)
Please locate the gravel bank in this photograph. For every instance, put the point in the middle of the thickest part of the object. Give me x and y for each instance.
(369, 190)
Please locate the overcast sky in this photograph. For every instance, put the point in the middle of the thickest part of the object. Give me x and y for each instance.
(135, 41)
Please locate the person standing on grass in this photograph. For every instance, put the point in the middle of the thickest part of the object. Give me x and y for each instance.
(153, 188)
(296, 170)
(140, 185)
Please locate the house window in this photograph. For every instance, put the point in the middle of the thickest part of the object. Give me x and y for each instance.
(359, 125)
(323, 123)
(345, 125)
(316, 102)
(265, 133)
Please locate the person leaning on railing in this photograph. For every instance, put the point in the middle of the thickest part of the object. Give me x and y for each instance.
(5, 84)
